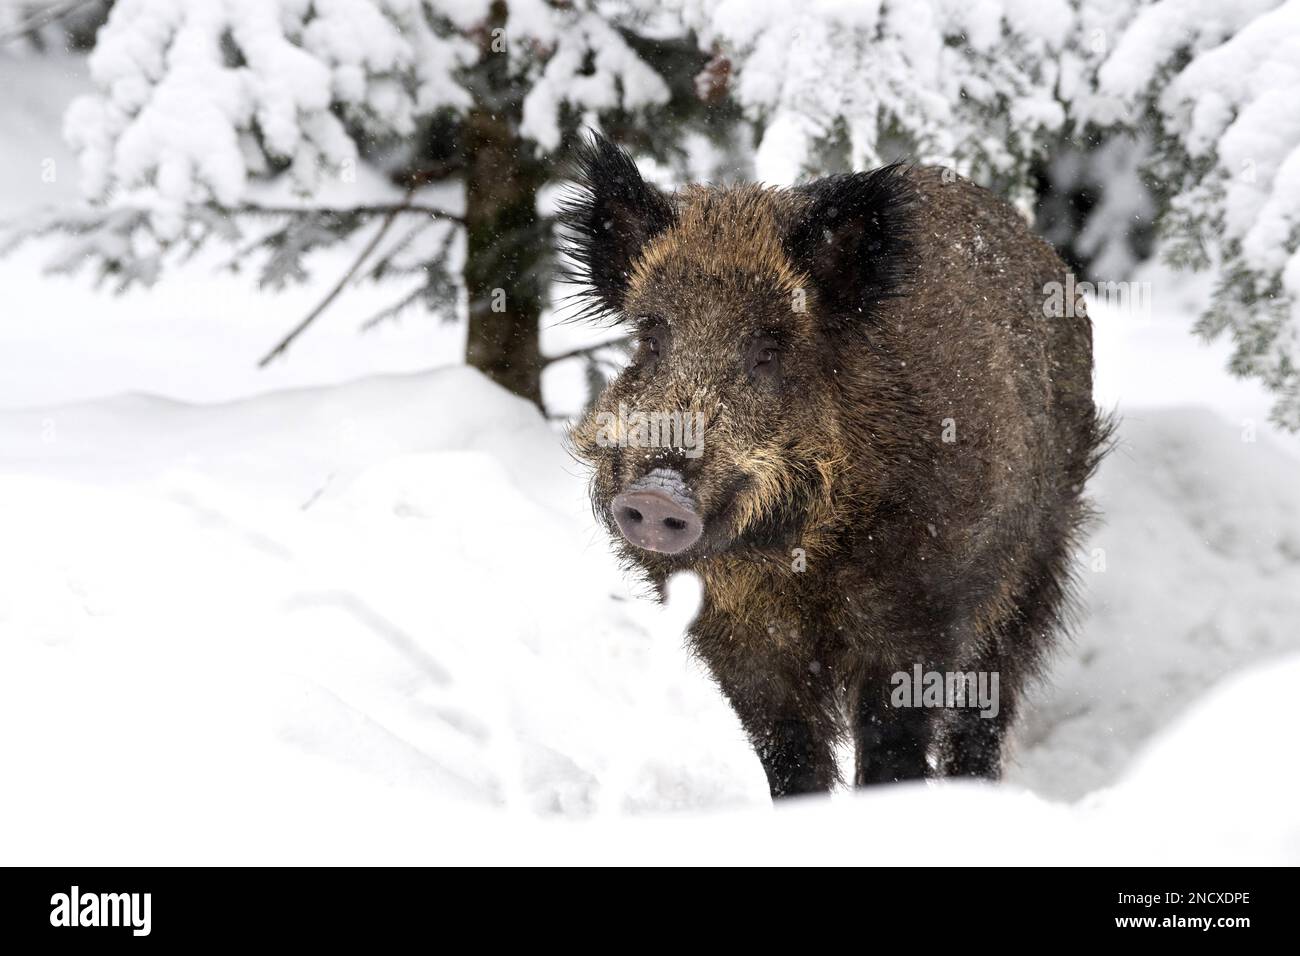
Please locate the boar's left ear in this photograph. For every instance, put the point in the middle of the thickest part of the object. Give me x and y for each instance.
(854, 238)
(607, 217)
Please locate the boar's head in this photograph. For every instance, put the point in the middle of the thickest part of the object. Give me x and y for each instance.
(725, 433)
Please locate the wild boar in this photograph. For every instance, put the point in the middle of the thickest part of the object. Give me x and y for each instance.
(895, 442)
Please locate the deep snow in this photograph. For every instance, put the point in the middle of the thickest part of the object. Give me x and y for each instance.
(375, 622)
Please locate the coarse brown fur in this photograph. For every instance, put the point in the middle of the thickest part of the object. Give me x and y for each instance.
(896, 441)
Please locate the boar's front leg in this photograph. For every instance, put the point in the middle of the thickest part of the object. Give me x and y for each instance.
(791, 725)
(793, 757)
(890, 743)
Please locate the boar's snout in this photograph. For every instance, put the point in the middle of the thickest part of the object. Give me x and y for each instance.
(656, 513)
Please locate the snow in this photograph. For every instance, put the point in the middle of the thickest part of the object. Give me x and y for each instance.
(382, 610)
(924, 80)
(336, 576)
(171, 121)
(1158, 31)
(1230, 109)
(1195, 571)
(592, 69)
(197, 336)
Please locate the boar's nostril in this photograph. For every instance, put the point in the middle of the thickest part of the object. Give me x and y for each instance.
(651, 519)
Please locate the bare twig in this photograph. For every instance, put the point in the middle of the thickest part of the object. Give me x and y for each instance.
(432, 272)
(588, 351)
(391, 310)
(385, 209)
(41, 18)
(365, 253)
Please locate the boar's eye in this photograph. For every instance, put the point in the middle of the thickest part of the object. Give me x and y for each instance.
(652, 334)
(763, 359)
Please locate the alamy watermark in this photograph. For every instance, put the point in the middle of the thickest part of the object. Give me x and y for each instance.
(637, 429)
(76, 908)
(1061, 299)
(922, 688)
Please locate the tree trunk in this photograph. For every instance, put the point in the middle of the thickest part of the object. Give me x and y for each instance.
(508, 247)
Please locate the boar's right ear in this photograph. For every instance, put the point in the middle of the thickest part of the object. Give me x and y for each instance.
(608, 216)
(854, 238)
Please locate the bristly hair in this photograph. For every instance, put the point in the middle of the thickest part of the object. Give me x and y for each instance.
(606, 216)
(854, 237)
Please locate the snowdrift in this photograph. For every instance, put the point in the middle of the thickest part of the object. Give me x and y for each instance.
(376, 623)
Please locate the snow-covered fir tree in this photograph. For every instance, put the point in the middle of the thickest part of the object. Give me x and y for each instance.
(837, 85)
(1220, 84)
(433, 125)
(1000, 91)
